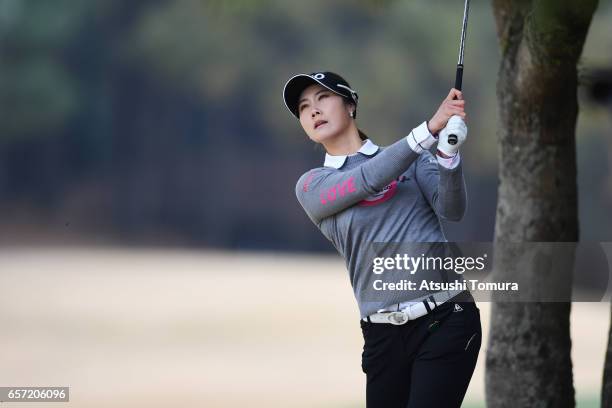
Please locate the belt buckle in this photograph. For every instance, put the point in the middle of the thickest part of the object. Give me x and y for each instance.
(397, 318)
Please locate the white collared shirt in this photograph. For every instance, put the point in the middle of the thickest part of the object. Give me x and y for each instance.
(369, 148)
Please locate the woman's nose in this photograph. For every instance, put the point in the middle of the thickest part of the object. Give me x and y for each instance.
(315, 111)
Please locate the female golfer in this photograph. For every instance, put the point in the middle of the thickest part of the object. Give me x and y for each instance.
(418, 352)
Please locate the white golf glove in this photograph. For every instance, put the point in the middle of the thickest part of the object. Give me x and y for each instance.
(455, 126)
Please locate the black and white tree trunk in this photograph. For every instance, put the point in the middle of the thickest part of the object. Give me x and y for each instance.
(528, 361)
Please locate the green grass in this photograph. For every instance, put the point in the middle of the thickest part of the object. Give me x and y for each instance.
(592, 402)
(589, 402)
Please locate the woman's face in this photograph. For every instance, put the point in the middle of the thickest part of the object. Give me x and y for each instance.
(323, 113)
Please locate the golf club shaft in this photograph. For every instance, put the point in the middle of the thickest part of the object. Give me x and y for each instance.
(452, 139)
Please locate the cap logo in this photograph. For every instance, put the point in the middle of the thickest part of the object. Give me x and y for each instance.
(318, 76)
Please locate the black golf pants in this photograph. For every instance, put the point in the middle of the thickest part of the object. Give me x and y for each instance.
(417, 366)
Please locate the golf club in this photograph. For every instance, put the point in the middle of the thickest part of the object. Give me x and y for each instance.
(452, 139)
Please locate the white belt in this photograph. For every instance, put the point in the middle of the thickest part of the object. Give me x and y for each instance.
(414, 310)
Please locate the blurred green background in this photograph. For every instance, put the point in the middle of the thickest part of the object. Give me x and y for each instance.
(161, 122)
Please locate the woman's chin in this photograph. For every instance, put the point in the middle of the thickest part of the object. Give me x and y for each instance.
(323, 136)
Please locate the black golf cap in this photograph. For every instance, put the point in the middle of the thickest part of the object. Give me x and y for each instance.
(333, 82)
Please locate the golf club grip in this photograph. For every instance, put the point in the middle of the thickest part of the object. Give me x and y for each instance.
(459, 77)
(452, 139)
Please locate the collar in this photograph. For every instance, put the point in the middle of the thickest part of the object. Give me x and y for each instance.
(368, 148)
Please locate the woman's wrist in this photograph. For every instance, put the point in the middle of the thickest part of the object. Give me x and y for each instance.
(444, 155)
(434, 131)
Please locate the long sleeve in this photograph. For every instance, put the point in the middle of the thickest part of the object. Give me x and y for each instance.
(323, 192)
(443, 188)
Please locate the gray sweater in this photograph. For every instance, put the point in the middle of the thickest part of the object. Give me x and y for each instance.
(382, 195)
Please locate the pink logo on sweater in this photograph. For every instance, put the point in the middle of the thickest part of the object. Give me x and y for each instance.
(339, 190)
(384, 195)
(308, 180)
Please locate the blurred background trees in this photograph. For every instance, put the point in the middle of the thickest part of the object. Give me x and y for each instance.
(161, 122)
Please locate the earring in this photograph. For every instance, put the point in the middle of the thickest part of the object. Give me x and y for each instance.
(352, 114)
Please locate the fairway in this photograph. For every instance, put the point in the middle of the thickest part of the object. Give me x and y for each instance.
(158, 328)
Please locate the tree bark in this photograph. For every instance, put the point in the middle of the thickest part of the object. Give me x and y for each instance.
(528, 360)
